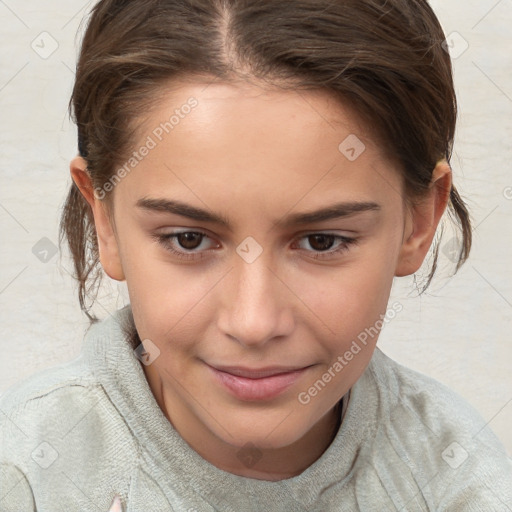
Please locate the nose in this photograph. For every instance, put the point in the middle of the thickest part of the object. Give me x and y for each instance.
(256, 304)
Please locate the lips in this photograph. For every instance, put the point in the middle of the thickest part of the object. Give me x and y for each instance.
(256, 384)
(257, 373)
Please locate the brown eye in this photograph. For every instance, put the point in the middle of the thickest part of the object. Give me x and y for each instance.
(321, 242)
(325, 245)
(185, 245)
(189, 240)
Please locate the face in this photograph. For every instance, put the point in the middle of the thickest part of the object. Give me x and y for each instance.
(250, 297)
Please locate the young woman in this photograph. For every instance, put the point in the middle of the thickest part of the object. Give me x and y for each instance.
(258, 173)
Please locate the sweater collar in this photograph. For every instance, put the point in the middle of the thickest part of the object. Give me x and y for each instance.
(109, 351)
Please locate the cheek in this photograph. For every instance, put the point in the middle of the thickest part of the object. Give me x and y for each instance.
(349, 298)
(170, 303)
(169, 300)
(349, 306)
(154, 282)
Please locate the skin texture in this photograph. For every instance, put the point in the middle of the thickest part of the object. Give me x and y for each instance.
(256, 156)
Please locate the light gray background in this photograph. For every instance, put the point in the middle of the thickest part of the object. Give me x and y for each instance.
(458, 333)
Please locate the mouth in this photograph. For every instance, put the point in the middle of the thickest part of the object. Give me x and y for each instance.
(256, 384)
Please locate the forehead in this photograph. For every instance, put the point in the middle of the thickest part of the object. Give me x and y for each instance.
(316, 108)
(206, 113)
(245, 143)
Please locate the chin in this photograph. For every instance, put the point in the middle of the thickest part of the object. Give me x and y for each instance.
(264, 436)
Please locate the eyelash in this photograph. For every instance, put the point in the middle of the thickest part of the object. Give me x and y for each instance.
(164, 240)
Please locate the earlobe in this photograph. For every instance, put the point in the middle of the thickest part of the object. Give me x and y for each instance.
(422, 221)
(107, 243)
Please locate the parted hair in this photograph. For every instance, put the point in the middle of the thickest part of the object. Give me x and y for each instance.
(386, 58)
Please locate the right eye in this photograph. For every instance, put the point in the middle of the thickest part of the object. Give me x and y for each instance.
(181, 243)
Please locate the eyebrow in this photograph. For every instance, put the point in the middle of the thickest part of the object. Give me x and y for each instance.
(335, 211)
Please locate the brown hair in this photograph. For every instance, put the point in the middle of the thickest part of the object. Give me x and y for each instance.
(384, 57)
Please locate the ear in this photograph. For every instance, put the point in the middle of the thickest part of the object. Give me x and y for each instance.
(107, 242)
(422, 221)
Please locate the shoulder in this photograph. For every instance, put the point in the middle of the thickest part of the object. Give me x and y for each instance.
(68, 385)
(53, 391)
(15, 491)
(439, 439)
(59, 402)
(433, 401)
(29, 412)
(63, 421)
(44, 382)
(427, 401)
(43, 404)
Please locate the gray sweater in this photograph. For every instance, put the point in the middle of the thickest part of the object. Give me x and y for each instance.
(75, 435)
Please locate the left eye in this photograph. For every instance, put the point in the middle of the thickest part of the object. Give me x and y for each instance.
(322, 243)
(188, 241)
